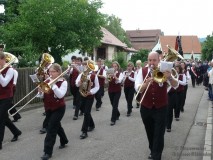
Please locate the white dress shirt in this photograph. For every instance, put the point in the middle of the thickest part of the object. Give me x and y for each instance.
(5, 80)
(15, 77)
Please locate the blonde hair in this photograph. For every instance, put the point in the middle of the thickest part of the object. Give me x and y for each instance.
(56, 67)
(138, 62)
(130, 63)
(115, 62)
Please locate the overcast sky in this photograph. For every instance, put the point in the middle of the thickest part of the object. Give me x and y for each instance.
(173, 17)
(187, 17)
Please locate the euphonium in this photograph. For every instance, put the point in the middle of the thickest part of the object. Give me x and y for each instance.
(86, 83)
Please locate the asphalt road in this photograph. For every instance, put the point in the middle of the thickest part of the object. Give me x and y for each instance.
(125, 141)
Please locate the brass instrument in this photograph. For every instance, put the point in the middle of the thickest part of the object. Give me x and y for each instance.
(127, 74)
(10, 58)
(86, 83)
(109, 72)
(45, 63)
(157, 75)
(45, 87)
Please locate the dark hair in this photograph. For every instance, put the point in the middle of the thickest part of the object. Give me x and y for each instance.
(159, 51)
(73, 57)
(1, 46)
(79, 59)
(86, 58)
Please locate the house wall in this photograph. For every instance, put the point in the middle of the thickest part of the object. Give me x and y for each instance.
(111, 50)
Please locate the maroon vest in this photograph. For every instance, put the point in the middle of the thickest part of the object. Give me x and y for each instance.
(7, 91)
(52, 103)
(92, 79)
(73, 77)
(101, 80)
(156, 96)
(129, 83)
(114, 87)
(180, 87)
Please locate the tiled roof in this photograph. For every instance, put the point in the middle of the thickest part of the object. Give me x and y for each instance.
(143, 39)
(109, 38)
(188, 43)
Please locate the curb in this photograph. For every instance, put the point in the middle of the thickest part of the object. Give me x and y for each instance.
(207, 153)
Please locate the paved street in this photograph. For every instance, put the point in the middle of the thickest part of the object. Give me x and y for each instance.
(125, 141)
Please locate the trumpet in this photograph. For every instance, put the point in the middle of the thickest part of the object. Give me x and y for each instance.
(127, 74)
(45, 87)
(109, 72)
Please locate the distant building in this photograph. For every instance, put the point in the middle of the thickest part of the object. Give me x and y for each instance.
(144, 39)
(190, 44)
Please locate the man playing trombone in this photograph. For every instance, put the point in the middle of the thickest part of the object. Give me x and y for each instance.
(154, 104)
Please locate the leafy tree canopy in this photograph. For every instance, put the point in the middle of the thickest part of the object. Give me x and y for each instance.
(59, 25)
(141, 55)
(207, 48)
(113, 24)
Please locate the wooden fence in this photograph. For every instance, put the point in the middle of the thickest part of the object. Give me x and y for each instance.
(25, 85)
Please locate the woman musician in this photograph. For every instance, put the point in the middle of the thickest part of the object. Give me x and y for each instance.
(129, 82)
(114, 91)
(55, 107)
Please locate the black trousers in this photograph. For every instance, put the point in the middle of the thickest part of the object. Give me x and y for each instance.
(98, 97)
(88, 120)
(5, 105)
(114, 100)
(184, 97)
(172, 100)
(54, 127)
(45, 122)
(74, 91)
(193, 80)
(180, 98)
(154, 121)
(79, 105)
(129, 94)
(17, 115)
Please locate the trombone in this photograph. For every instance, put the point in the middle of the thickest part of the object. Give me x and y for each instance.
(45, 87)
(10, 58)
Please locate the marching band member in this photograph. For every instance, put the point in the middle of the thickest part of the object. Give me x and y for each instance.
(186, 72)
(138, 67)
(154, 105)
(193, 74)
(180, 91)
(87, 102)
(17, 116)
(55, 108)
(101, 74)
(6, 94)
(129, 90)
(114, 91)
(75, 71)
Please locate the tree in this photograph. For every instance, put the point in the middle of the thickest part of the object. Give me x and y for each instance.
(59, 25)
(120, 57)
(113, 24)
(207, 48)
(141, 55)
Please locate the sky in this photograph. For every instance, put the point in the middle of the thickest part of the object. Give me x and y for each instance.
(173, 17)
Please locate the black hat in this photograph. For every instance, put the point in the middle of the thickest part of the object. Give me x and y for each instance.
(1, 46)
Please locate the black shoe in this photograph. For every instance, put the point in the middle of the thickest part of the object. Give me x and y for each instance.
(90, 129)
(177, 119)
(15, 120)
(46, 157)
(97, 109)
(168, 130)
(75, 118)
(112, 123)
(44, 114)
(150, 156)
(128, 114)
(81, 114)
(83, 136)
(43, 130)
(62, 146)
(15, 138)
(0, 146)
(182, 110)
(117, 118)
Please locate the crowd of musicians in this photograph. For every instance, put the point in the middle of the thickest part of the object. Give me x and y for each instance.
(160, 102)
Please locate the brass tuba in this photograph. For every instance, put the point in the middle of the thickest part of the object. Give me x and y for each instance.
(10, 58)
(86, 83)
(46, 61)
